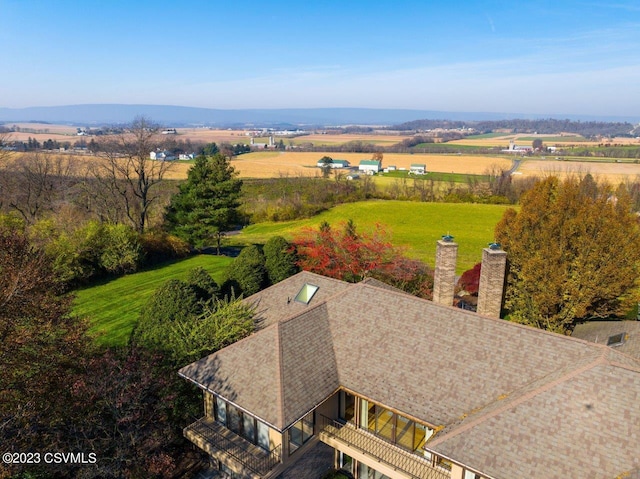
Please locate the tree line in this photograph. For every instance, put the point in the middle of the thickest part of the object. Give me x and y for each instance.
(544, 126)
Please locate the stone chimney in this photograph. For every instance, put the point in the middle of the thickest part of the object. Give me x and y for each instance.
(444, 278)
(491, 289)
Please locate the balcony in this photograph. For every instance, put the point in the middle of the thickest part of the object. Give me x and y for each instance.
(335, 433)
(215, 438)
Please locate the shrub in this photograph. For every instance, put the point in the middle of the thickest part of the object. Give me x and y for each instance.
(173, 301)
(280, 259)
(121, 250)
(248, 270)
(203, 284)
(159, 246)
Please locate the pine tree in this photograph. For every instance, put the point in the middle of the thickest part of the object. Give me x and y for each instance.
(206, 204)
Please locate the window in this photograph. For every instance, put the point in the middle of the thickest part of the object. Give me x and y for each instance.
(347, 406)
(617, 339)
(301, 432)
(221, 411)
(243, 424)
(393, 427)
(306, 293)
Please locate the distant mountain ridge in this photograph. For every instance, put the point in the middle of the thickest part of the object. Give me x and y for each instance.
(100, 114)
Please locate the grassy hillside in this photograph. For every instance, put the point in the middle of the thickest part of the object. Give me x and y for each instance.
(113, 307)
(415, 226)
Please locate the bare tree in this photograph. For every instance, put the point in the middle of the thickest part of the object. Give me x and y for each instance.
(128, 173)
(36, 183)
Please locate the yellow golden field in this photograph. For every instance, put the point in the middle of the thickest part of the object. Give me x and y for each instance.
(273, 164)
(567, 140)
(611, 172)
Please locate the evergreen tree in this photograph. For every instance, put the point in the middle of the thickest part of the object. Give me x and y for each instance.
(206, 204)
(247, 272)
(280, 259)
(573, 251)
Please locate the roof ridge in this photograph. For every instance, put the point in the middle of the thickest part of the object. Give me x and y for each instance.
(280, 378)
(600, 359)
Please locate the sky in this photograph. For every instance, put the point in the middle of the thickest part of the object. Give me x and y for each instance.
(535, 57)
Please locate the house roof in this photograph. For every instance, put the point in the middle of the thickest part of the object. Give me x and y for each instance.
(508, 400)
(370, 162)
(600, 332)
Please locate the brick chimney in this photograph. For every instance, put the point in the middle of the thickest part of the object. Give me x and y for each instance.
(444, 279)
(491, 289)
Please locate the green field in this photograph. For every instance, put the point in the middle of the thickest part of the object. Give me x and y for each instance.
(412, 225)
(113, 307)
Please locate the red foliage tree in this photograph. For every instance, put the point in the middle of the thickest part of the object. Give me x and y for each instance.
(470, 280)
(347, 254)
(352, 256)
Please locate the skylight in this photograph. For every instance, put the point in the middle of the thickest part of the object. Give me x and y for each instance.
(616, 339)
(306, 293)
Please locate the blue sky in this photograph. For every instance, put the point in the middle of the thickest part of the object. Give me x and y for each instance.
(538, 57)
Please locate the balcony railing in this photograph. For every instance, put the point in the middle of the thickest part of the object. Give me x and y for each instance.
(380, 450)
(220, 438)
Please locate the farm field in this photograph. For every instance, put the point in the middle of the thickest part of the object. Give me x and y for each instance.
(525, 139)
(112, 308)
(273, 163)
(412, 225)
(602, 170)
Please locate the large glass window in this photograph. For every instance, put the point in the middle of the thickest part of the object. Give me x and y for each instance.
(405, 431)
(347, 406)
(234, 419)
(263, 435)
(393, 427)
(301, 432)
(242, 423)
(221, 411)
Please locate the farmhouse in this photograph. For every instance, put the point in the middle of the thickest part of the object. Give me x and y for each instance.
(401, 387)
(373, 166)
(334, 164)
(417, 169)
(162, 155)
(517, 149)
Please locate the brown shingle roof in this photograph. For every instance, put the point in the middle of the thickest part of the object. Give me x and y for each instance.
(513, 401)
(600, 331)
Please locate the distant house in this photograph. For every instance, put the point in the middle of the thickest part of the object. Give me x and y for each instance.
(169, 131)
(334, 164)
(373, 166)
(516, 149)
(417, 169)
(353, 176)
(162, 155)
(186, 156)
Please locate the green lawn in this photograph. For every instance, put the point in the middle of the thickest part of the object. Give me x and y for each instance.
(415, 226)
(113, 307)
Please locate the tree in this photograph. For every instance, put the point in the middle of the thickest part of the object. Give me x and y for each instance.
(326, 163)
(206, 204)
(280, 259)
(127, 173)
(573, 255)
(248, 271)
(42, 344)
(175, 300)
(346, 254)
(537, 144)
